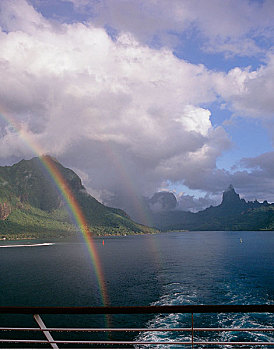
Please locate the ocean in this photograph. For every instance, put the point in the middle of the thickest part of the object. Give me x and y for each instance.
(170, 268)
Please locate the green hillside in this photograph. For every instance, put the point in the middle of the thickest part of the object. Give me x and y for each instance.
(31, 206)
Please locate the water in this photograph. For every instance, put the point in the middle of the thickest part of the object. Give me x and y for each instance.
(170, 268)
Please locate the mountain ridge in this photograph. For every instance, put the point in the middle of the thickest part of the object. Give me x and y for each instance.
(233, 213)
(31, 206)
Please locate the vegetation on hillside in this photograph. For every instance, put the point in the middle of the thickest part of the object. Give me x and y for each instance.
(233, 214)
(32, 207)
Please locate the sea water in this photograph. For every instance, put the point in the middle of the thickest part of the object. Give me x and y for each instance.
(171, 268)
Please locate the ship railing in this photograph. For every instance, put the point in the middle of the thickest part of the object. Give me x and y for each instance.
(193, 331)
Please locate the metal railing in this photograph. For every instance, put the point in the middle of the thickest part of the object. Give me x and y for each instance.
(173, 309)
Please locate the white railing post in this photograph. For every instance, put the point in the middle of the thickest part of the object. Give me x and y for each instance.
(192, 331)
(47, 334)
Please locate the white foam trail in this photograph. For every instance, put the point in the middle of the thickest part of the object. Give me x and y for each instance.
(25, 245)
(175, 295)
(178, 295)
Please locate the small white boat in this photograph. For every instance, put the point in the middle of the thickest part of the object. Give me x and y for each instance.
(25, 245)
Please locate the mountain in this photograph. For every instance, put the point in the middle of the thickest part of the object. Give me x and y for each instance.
(162, 201)
(233, 213)
(31, 205)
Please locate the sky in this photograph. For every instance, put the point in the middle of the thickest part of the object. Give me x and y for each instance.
(140, 96)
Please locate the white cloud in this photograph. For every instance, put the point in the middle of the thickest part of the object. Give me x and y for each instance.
(196, 119)
(250, 92)
(231, 27)
(18, 15)
(127, 116)
(132, 110)
(193, 204)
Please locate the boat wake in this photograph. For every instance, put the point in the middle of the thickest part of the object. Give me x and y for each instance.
(223, 320)
(25, 245)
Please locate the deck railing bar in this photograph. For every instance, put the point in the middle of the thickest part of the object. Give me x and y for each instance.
(139, 329)
(234, 329)
(21, 329)
(233, 343)
(90, 342)
(169, 309)
(132, 342)
(100, 329)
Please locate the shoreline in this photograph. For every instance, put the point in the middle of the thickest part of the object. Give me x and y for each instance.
(78, 235)
(25, 238)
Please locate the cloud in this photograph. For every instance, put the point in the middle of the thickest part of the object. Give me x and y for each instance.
(231, 27)
(250, 91)
(261, 176)
(162, 201)
(18, 15)
(193, 204)
(127, 115)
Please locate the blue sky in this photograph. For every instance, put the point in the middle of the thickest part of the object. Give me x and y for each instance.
(142, 96)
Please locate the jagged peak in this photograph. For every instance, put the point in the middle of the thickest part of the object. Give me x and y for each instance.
(230, 188)
(230, 196)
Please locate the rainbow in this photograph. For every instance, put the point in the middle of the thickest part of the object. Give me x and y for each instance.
(68, 196)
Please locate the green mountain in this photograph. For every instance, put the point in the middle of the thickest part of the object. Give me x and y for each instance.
(232, 214)
(31, 206)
